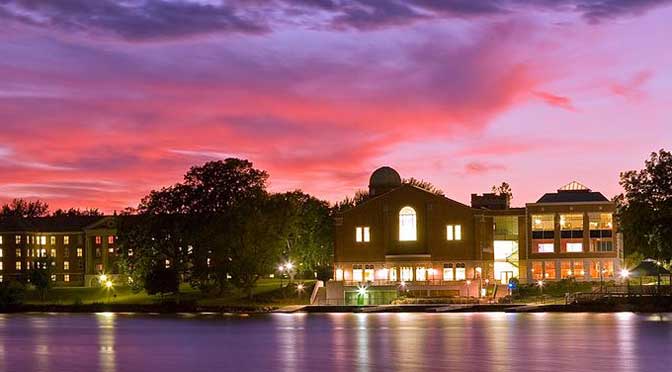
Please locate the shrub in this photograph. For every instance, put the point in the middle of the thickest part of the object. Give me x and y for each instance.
(11, 293)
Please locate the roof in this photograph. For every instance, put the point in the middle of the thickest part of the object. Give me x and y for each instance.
(48, 224)
(649, 268)
(573, 192)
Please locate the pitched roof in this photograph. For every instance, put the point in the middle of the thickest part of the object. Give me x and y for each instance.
(48, 224)
(648, 268)
(573, 192)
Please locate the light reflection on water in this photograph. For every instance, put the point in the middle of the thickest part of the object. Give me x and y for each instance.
(336, 342)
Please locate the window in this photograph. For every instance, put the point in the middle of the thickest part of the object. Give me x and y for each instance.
(545, 247)
(79, 252)
(53, 252)
(17, 239)
(18, 252)
(454, 232)
(566, 269)
(99, 240)
(1, 267)
(66, 252)
(393, 274)
(549, 270)
(66, 240)
(362, 234)
(448, 274)
(18, 265)
(339, 275)
(407, 224)
(110, 250)
(506, 227)
(43, 240)
(357, 273)
(53, 277)
(574, 247)
(66, 265)
(66, 278)
(167, 263)
(98, 252)
(578, 269)
(99, 268)
(0, 252)
(52, 240)
(420, 274)
(537, 270)
(601, 233)
(369, 273)
(543, 233)
(460, 271)
(406, 274)
(110, 239)
(130, 252)
(0, 278)
(0, 239)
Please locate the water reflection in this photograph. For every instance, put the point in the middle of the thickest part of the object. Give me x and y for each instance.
(336, 342)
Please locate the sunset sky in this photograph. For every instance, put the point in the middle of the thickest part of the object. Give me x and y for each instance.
(102, 101)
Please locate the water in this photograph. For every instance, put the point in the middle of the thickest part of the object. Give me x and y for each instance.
(336, 342)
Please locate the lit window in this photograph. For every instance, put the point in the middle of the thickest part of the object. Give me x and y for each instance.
(1, 267)
(368, 273)
(545, 247)
(18, 252)
(537, 270)
(339, 275)
(79, 252)
(43, 240)
(393, 274)
(110, 250)
(448, 273)
(66, 278)
(53, 277)
(574, 247)
(367, 234)
(53, 252)
(99, 240)
(167, 264)
(549, 270)
(98, 252)
(0, 278)
(99, 267)
(454, 232)
(0, 252)
(18, 265)
(52, 240)
(406, 274)
(66, 240)
(358, 235)
(0, 239)
(17, 239)
(66, 265)
(420, 274)
(460, 271)
(110, 239)
(130, 254)
(407, 224)
(357, 273)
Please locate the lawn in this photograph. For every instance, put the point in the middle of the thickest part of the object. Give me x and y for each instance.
(267, 292)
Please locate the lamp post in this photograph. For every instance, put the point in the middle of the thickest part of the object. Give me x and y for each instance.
(625, 274)
(281, 269)
(541, 290)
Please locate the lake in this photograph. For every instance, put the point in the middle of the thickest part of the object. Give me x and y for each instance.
(336, 342)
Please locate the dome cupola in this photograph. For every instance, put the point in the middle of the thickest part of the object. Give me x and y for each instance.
(383, 180)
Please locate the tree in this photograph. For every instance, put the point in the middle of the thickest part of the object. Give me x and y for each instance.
(645, 208)
(77, 212)
(503, 189)
(11, 293)
(25, 209)
(40, 275)
(309, 228)
(161, 280)
(426, 185)
(348, 203)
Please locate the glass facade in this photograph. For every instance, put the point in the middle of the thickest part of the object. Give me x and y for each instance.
(543, 233)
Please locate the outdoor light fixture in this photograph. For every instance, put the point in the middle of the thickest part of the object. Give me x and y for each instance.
(361, 291)
(102, 278)
(108, 284)
(540, 283)
(625, 273)
(300, 287)
(289, 266)
(281, 268)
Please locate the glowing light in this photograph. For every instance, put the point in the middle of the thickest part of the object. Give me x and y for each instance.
(108, 284)
(468, 282)
(361, 291)
(281, 268)
(289, 265)
(625, 273)
(540, 283)
(102, 278)
(403, 283)
(300, 287)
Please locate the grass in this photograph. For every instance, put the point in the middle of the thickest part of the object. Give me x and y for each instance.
(268, 292)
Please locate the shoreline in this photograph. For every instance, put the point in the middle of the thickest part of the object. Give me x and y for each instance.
(173, 308)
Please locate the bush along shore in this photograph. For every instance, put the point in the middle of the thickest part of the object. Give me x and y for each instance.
(160, 308)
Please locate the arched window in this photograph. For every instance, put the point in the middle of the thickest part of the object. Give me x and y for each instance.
(407, 224)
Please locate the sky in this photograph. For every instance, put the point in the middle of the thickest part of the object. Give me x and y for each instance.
(102, 101)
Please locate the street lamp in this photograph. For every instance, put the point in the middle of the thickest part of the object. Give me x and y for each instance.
(300, 288)
(281, 269)
(541, 289)
(625, 274)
